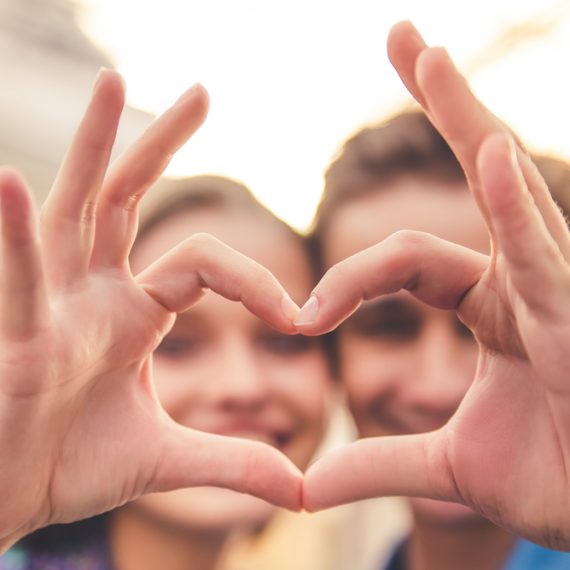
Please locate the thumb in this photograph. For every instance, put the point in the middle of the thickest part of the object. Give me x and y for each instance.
(195, 459)
(409, 465)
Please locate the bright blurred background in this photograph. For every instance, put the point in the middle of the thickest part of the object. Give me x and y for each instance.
(288, 81)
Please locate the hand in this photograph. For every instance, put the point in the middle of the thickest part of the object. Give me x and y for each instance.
(81, 428)
(506, 451)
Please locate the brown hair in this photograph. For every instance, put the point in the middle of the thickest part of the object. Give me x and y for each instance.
(173, 196)
(406, 144)
(376, 155)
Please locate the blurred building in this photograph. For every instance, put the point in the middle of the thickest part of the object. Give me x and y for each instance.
(47, 66)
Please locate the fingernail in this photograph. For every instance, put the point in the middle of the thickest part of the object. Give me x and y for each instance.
(444, 51)
(289, 308)
(513, 149)
(309, 312)
(100, 73)
(189, 93)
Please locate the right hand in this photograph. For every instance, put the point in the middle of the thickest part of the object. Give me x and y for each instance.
(506, 451)
(81, 429)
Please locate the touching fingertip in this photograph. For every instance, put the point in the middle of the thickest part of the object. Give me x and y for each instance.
(309, 312)
(289, 308)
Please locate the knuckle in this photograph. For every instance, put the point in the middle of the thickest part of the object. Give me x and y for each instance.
(202, 242)
(339, 271)
(408, 238)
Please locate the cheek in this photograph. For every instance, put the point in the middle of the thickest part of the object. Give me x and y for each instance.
(366, 372)
(306, 387)
(174, 383)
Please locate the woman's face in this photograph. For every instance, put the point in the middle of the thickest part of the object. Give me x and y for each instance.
(406, 366)
(222, 370)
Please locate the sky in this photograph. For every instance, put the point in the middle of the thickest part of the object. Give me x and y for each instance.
(290, 81)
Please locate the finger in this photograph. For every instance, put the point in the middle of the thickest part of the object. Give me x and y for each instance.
(195, 459)
(68, 213)
(433, 270)
(179, 278)
(463, 120)
(404, 46)
(405, 50)
(537, 266)
(465, 123)
(135, 171)
(408, 465)
(23, 302)
(552, 215)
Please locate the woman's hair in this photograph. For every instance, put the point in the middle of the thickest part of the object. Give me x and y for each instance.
(206, 192)
(407, 145)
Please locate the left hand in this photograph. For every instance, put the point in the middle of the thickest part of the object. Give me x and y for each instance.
(81, 428)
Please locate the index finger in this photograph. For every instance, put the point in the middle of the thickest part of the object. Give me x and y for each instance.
(178, 279)
(437, 272)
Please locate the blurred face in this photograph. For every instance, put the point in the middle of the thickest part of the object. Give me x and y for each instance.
(224, 371)
(406, 366)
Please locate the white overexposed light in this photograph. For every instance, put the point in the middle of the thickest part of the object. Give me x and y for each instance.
(289, 81)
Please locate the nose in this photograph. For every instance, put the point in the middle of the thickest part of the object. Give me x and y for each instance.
(444, 367)
(239, 383)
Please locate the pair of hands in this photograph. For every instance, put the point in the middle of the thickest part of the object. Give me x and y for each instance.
(81, 430)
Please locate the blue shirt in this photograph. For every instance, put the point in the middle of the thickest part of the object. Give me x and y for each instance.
(524, 556)
(529, 556)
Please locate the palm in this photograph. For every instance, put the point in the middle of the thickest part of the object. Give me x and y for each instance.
(81, 425)
(73, 369)
(105, 409)
(489, 466)
(510, 395)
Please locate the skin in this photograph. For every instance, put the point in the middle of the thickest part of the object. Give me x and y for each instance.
(76, 370)
(512, 430)
(222, 370)
(406, 366)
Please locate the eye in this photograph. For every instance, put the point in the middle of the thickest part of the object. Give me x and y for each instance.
(178, 346)
(278, 343)
(389, 321)
(397, 329)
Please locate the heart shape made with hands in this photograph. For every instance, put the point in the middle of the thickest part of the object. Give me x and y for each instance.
(486, 456)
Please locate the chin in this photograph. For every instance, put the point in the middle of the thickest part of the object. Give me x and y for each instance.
(441, 513)
(206, 509)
